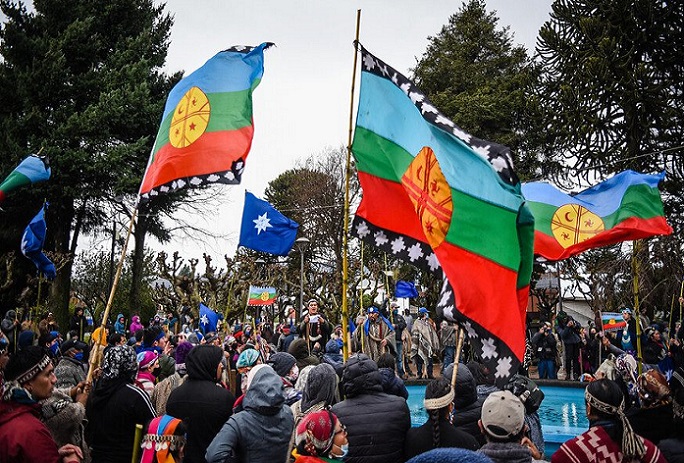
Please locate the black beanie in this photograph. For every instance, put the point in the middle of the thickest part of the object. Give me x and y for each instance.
(282, 363)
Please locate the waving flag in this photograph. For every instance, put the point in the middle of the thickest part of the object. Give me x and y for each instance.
(207, 126)
(265, 229)
(405, 289)
(32, 169)
(261, 295)
(208, 319)
(435, 197)
(32, 244)
(624, 207)
(612, 321)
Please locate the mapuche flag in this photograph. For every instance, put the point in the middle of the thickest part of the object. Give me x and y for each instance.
(207, 126)
(261, 295)
(435, 197)
(32, 169)
(624, 207)
(265, 229)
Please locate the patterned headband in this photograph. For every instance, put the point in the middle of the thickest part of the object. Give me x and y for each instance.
(439, 402)
(32, 372)
(632, 445)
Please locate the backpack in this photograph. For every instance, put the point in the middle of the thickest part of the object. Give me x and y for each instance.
(527, 391)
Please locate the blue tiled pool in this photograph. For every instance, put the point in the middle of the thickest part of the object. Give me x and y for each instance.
(562, 413)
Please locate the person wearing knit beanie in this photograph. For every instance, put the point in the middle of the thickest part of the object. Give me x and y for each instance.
(148, 365)
(284, 364)
(24, 438)
(320, 435)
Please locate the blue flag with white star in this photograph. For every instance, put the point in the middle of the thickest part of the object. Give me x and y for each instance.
(265, 229)
(208, 319)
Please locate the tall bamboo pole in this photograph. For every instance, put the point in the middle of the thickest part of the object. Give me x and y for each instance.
(95, 359)
(635, 278)
(457, 357)
(347, 180)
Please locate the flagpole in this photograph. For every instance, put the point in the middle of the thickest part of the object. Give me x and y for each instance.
(94, 360)
(457, 356)
(635, 276)
(347, 180)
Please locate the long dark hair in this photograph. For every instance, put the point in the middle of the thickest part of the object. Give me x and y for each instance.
(434, 390)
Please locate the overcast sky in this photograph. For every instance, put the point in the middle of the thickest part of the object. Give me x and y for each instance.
(302, 104)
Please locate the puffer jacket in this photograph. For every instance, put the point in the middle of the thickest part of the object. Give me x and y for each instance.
(392, 384)
(467, 405)
(261, 432)
(376, 422)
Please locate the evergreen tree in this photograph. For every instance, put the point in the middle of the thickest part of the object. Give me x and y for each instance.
(82, 81)
(478, 78)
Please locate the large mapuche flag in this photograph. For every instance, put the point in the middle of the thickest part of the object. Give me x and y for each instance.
(624, 207)
(435, 197)
(207, 126)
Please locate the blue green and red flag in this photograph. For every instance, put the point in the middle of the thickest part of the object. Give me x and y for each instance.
(32, 169)
(207, 127)
(261, 295)
(612, 321)
(625, 207)
(435, 196)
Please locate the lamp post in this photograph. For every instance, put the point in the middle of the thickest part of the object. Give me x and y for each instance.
(301, 244)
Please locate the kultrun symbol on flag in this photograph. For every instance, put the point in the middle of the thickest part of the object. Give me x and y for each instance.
(430, 194)
(572, 224)
(190, 118)
(264, 296)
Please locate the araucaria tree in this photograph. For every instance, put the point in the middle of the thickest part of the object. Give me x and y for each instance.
(82, 81)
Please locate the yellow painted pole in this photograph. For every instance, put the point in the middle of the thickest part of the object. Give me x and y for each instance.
(345, 232)
(635, 278)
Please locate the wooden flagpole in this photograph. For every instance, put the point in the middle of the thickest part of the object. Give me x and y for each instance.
(347, 180)
(95, 359)
(457, 357)
(636, 246)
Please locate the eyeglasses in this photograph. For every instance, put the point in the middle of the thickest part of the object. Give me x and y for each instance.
(344, 429)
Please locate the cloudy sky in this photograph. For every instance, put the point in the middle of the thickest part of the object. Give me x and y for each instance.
(302, 105)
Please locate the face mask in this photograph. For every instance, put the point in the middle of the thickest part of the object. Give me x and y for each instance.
(79, 356)
(345, 450)
(54, 348)
(294, 373)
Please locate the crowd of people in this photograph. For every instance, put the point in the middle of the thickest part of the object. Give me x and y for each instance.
(166, 393)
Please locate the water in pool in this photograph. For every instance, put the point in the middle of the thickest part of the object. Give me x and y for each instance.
(562, 413)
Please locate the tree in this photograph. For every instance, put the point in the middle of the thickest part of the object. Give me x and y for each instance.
(81, 80)
(611, 91)
(474, 74)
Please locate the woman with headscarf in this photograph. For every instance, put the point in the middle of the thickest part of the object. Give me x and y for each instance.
(610, 437)
(437, 431)
(115, 406)
(164, 441)
(28, 378)
(148, 368)
(653, 418)
(261, 433)
(320, 438)
(320, 391)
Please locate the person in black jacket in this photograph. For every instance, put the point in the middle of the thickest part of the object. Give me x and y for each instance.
(437, 430)
(467, 406)
(399, 325)
(673, 447)
(115, 406)
(200, 402)
(391, 383)
(544, 343)
(376, 422)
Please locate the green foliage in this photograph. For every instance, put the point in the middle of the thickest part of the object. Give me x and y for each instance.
(474, 74)
(80, 80)
(611, 87)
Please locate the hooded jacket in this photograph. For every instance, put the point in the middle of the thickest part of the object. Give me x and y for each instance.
(376, 422)
(300, 351)
(200, 402)
(135, 324)
(467, 405)
(261, 432)
(23, 437)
